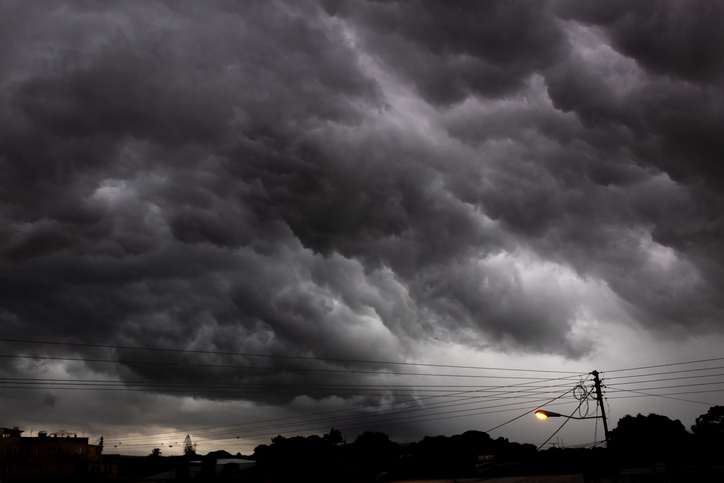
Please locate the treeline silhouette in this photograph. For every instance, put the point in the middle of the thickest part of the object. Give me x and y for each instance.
(373, 455)
(654, 441)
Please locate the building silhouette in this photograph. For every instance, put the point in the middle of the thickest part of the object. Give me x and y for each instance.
(53, 457)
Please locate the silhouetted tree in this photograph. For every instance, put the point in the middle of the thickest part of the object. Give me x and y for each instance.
(189, 447)
(457, 455)
(156, 452)
(647, 440)
(373, 451)
(298, 459)
(334, 436)
(711, 424)
(709, 434)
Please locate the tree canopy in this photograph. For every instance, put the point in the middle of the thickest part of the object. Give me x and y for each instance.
(649, 439)
(711, 424)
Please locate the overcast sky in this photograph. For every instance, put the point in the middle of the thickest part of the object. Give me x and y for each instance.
(531, 185)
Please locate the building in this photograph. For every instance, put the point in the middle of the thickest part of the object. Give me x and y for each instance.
(52, 456)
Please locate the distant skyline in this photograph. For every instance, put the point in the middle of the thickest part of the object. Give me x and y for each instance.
(305, 208)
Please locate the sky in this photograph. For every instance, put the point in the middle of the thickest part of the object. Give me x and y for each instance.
(415, 217)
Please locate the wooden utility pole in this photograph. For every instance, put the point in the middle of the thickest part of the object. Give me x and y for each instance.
(599, 398)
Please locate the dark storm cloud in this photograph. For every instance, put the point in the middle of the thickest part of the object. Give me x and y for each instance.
(233, 177)
(129, 155)
(670, 38)
(452, 50)
(667, 117)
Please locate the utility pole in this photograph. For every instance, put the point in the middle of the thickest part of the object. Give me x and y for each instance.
(599, 398)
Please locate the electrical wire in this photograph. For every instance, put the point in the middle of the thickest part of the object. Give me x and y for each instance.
(447, 396)
(307, 416)
(665, 396)
(700, 376)
(528, 412)
(382, 423)
(665, 373)
(277, 369)
(517, 388)
(321, 425)
(114, 383)
(676, 386)
(567, 419)
(665, 365)
(519, 393)
(394, 415)
(272, 356)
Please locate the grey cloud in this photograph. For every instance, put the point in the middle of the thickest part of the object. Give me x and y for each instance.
(449, 51)
(669, 38)
(675, 112)
(173, 84)
(226, 177)
(124, 189)
(666, 117)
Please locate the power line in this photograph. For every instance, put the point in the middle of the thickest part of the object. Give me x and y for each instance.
(701, 369)
(351, 389)
(385, 422)
(394, 422)
(389, 417)
(534, 389)
(517, 385)
(266, 387)
(528, 412)
(583, 399)
(273, 356)
(709, 383)
(665, 395)
(344, 410)
(278, 369)
(666, 365)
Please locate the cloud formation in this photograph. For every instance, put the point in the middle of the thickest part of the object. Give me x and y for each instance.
(352, 180)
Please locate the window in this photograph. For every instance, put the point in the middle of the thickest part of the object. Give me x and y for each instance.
(13, 451)
(35, 452)
(79, 450)
(54, 451)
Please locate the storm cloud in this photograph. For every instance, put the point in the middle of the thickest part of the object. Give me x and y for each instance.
(355, 180)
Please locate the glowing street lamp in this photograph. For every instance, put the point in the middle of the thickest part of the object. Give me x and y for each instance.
(541, 414)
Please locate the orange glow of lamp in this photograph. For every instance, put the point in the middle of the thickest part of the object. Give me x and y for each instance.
(541, 414)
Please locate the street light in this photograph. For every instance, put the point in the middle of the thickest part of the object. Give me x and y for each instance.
(542, 414)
